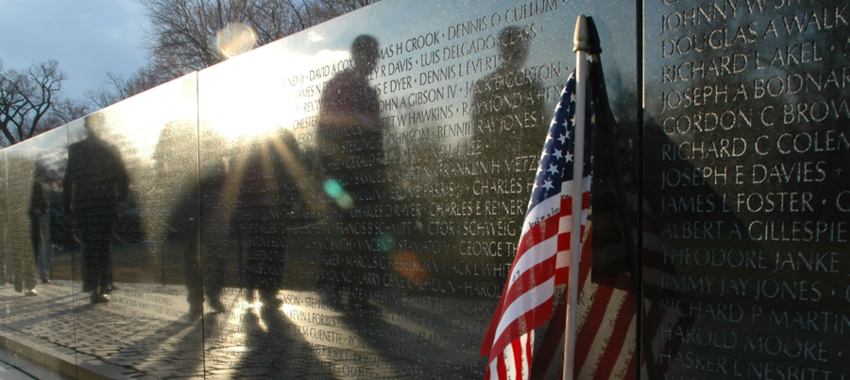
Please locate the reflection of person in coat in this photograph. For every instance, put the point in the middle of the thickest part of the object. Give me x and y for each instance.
(350, 140)
(269, 174)
(95, 189)
(508, 99)
(40, 221)
(508, 110)
(25, 278)
(176, 171)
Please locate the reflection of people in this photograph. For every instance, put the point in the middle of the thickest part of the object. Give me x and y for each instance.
(349, 108)
(266, 176)
(508, 96)
(40, 223)
(349, 133)
(505, 103)
(25, 279)
(45, 258)
(95, 188)
(176, 171)
(214, 267)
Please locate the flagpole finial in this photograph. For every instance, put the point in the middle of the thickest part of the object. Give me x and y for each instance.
(582, 36)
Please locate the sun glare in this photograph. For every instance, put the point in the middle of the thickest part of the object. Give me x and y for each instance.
(245, 98)
(236, 39)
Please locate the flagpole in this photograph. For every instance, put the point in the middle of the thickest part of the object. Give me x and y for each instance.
(582, 45)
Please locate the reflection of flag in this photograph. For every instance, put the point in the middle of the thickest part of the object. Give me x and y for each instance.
(543, 254)
(606, 346)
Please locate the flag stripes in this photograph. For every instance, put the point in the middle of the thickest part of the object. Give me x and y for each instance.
(606, 332)
(543, 250)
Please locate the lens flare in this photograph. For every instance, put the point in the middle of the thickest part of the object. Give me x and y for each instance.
(407, 264)
(335, 190)
(236, 39)
(386, 242)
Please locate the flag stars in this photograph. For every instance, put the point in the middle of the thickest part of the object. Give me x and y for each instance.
(548, 185)
(558, 153)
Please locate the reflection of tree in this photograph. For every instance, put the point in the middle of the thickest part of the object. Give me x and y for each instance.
(183, 33)
(119, 88)
(183, 36)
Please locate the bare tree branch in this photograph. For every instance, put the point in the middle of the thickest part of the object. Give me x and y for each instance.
(117, 88)
(182, 35)
(25, 99)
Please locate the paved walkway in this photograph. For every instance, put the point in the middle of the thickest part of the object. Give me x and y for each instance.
(146, 332)
(16, 367)
(111, 340)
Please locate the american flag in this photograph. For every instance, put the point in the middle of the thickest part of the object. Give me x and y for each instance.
(606, 341)
(543, 254)
(606, 336)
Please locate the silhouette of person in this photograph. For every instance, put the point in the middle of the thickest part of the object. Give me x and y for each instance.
(45, 257)
(349, 140)
(266, 177)
(506, 103)
(176, 171)
(24, 269)
(214, 264)
(41, 220)
(217, 199)
(509, 100)
(95, 190)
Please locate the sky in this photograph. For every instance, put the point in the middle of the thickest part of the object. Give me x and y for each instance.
(87, 37)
